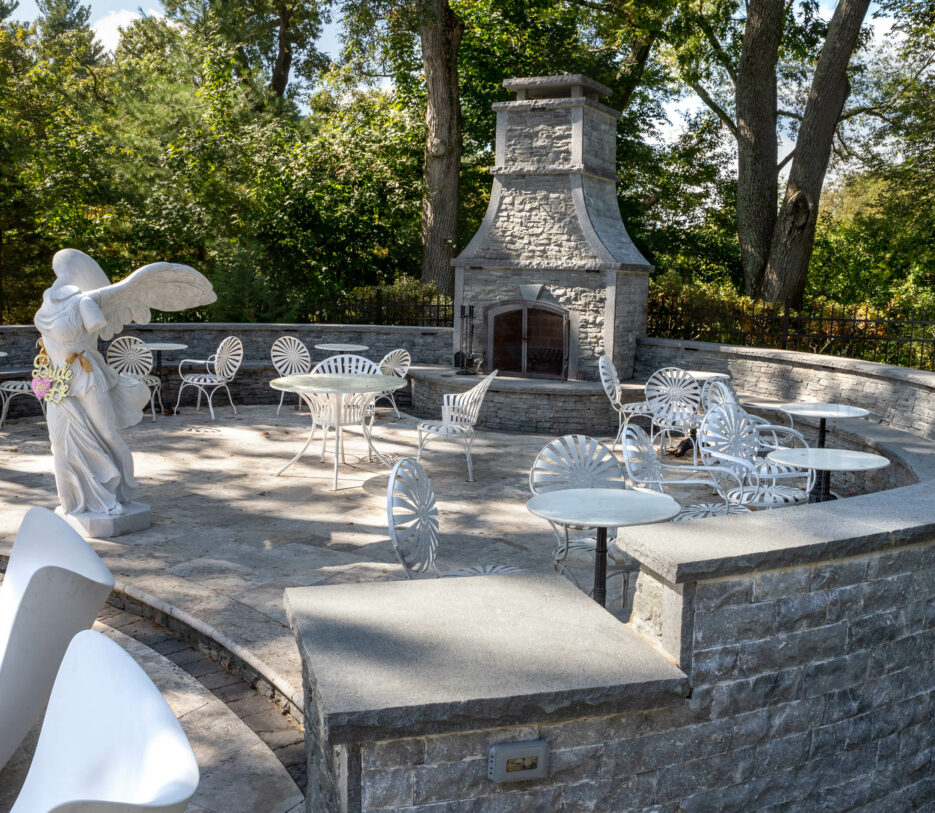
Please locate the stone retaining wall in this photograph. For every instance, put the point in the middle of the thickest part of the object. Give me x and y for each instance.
(520, 405)
(899, 396)
(812, 689)
(428, 345)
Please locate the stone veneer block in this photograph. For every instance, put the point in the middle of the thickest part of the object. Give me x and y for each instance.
(399, 659)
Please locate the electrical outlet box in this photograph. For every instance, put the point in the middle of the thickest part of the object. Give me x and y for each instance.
(518, 761)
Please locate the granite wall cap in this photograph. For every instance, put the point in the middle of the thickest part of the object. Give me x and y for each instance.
(729, 546)
(407, 658)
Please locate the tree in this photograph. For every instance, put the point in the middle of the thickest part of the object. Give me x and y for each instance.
(758, 55)
(440, 32)
(273, 41)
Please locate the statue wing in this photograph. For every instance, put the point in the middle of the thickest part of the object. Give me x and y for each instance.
(159, 286)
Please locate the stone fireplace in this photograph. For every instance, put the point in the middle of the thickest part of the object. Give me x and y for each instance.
(552, 274)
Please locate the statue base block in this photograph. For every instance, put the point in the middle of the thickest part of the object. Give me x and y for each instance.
(135, 517)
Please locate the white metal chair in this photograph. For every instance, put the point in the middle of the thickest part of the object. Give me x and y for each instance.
(109, 741)
(356, 410)
(459, 415)
(290, 357)
(397, 363)
(220, 369)
(412, 517)
(644, 470)
(772, 436)
(730, 437)
(579, 461)
(129, 356)
(10, 390)
(674, 399)
(55, 584)
(625, 411)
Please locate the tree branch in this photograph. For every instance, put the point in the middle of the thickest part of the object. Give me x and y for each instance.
(785, 161)
(789, 114)
(719, 53)
(718, 110)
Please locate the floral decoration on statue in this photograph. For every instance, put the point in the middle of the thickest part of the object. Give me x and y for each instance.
(50, 383)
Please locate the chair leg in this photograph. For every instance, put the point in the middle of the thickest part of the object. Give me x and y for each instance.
(622, 425)
(210, 396)
(162, 408)
(198, 405)
(421, 445)
(152, 403)
(231, 397)
(281, 397)
(179, 398)
(393, 402)
(324, 440)
(467, 452)
(6, 405)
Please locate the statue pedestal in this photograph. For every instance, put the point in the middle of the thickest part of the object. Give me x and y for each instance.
(135, 517)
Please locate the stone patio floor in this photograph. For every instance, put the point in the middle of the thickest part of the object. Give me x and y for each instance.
(228, 536)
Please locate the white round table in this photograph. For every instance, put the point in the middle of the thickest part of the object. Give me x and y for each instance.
(704, 375)
(822, 411)
(336, 387)
(2, 355)
(827, 461)
(157, 348)
(603, 508)
(339, 347)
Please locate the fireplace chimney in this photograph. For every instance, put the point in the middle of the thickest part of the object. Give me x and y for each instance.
(553, 222)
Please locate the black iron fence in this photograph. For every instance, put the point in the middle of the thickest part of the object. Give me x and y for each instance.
(905, 338)
(380, 308)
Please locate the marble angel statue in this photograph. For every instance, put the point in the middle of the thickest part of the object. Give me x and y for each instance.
(88, 403)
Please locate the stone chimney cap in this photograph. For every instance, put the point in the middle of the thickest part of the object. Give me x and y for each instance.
(565, 86)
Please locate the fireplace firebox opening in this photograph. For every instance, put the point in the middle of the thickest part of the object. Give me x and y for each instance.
(529, 338)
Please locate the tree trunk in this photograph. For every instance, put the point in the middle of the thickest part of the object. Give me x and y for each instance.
(633, 66)
(440, 33)
(794, 232)
(757, 173)
(283, 64)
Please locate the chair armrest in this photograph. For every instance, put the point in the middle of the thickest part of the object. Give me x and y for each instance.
(190, 361)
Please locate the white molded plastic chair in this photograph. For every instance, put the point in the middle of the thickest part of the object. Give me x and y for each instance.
(54, 587)
(625, 411)
(129, 356)
(644, 470)
(459, 414)
(730, 437)
(290, 357)
(674, 399)
(412, 517)
(396, 362)
(109, 742)
(9, 390)
(579, 461)
(220, 371)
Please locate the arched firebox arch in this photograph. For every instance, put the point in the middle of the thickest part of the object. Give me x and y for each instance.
(532, 338)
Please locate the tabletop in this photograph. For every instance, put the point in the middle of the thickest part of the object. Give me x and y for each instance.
(603, 507)
(342, 348)
(828, 459)
(340, 384)
(166, 346)
(823, 410)
(704, 375)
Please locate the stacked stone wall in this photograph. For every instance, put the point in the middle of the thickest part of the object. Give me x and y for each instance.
(251, 386)
(813, 690)
(902, 398)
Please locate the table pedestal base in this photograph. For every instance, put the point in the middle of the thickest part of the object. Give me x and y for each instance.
(600, 568)
(821, 491)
